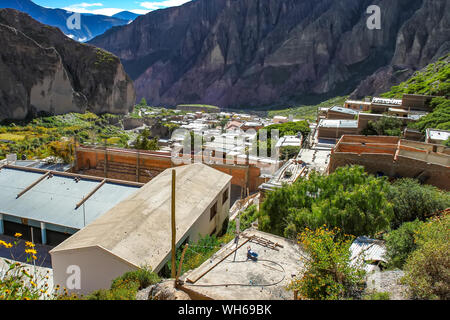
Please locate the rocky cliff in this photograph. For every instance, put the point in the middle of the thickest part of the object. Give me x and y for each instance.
(252, 53)
(42, 70)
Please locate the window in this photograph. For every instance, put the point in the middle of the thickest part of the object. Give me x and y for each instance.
(213, 211)
(225, 196)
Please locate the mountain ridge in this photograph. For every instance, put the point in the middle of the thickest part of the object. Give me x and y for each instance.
(42, 70)
(245, 53)
(91, 25)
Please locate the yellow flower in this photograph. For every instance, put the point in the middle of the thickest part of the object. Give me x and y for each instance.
(18, 235)
(34, 284)
(9, 245)
(32, 251)
(34, 257)
(29, 244)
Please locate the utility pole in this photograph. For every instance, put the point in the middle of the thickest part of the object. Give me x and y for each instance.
(173, 224)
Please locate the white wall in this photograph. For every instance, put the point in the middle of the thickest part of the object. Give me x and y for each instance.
(97, 268)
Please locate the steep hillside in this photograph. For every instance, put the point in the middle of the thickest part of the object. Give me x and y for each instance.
(91, 25)
(246, 53)
(44, 71)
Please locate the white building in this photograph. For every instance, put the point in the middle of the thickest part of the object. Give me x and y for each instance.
(137, 231)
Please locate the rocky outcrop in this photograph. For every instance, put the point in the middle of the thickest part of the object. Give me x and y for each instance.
(271, 52)
(422, 39)
(42, 70)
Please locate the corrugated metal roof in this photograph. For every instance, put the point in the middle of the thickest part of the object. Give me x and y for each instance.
(53, 200)
(368, 249)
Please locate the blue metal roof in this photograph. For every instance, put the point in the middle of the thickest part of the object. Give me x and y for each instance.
(53, 200)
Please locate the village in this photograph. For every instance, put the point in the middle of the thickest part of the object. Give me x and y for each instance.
(109, 211)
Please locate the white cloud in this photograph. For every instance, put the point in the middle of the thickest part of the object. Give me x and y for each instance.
(162, 4)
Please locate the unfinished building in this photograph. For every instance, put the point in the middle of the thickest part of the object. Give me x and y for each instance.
(230, 275)
(395, 158)
(137, 231)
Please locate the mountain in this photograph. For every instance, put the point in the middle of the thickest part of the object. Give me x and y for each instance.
(126, 15)
(42, 70)
(91, 25)
(247, 53)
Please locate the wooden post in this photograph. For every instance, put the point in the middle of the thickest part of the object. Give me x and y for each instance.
(180, 265)
(173, 224)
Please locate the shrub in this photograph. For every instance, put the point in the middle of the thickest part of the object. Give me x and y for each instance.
(349, 199)
(126, 286)
(386, 126)
(400, 243)
(427, 269)
(144, 277)
(377, 296)
(328, 273)
(412, 201)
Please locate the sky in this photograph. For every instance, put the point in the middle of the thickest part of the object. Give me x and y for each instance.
(109, 7)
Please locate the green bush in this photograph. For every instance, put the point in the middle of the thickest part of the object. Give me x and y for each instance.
(328, 273)
(439, 118)
(349, 199)
(126, 286)
(427, 269)
(400, 243)
(144, 277)
(412, 201)
(386, 126)
(377, 296)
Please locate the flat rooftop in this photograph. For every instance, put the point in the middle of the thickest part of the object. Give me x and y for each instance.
(335, 123)
(53, 200)
(343, 110)
(236, 278)
(137, 229)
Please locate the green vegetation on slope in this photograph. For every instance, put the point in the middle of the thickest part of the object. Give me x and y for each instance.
(308, 112)
(432, 80)
(438, 119)
(33, 139)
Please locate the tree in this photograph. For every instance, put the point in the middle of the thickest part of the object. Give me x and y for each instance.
(412, 201)
(349, 199)
(386, 126)
(143, 142)
(143, 103)
(329, 273)
(400, 243)
(427, 269)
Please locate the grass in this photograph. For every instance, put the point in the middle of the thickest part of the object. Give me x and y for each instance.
(33, 138)
(11, 137)
(307, 112)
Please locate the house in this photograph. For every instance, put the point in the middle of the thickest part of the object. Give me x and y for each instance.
(395, 158)
(335, 128)
(436, 136)
(49, 206)
(341, 113)
(137, 231)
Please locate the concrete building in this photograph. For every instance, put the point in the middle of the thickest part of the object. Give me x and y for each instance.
(436, 136)
(357, 105)
(229, 275)
(137, 231)
(395, 158)
(335, 128)
(342, 113)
